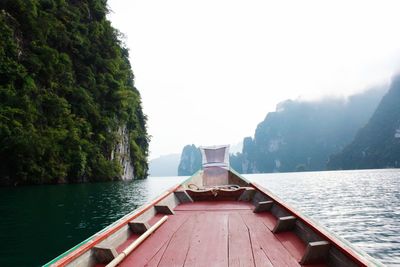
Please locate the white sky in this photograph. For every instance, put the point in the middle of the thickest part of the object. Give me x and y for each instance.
(210, 70)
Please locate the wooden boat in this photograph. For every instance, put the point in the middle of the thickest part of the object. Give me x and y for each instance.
(214, 218)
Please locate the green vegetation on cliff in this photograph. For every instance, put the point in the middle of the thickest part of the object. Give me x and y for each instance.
(66, 92)
(377, 145)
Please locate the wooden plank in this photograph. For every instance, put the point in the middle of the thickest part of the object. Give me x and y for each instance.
(164, 209)
(316, 252)
(104, 254)
(336, 258)
(153, 262)
(183, 196)
(139, 227)
(293, 244)
(286, 223)
(263, 206)
(271, 246)
(209, 244)
(247, 195)
(260, 258)
(258, 196)
(240, 251)
(268, 219)
(216, 194)
(214, 205)
(124, 245)
(148, 249)
(177, 249)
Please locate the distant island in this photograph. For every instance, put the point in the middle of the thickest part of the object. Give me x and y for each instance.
(69, 110)
(311, 135)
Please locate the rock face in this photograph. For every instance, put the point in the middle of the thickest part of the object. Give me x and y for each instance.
(300, 136)
(190, 160)
(122, 153)
(377, 145)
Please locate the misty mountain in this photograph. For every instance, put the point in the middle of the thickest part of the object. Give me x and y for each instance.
(301, 135)
(236, 148)
(165, 165)
(190, 160)
(377, 145)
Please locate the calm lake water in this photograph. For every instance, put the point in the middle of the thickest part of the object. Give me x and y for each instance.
(40, 222)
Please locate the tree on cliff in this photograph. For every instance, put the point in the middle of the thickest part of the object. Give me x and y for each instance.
(66, 91)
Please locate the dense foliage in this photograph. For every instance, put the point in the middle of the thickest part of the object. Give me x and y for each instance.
(66, 86)
(377, 145)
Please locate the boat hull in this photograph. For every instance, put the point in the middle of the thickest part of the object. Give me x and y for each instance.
(215, 218)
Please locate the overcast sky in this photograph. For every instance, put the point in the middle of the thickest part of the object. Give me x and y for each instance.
(209, 71)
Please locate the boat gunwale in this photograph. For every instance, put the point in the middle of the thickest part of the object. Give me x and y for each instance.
(350, 251)
(79, 249)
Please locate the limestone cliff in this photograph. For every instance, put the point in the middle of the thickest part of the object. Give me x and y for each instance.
(377, 145)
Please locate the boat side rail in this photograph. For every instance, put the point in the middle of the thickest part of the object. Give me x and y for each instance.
(83, 247)
(287, 211)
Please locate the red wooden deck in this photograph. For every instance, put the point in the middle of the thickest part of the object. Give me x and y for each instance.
(217, 233)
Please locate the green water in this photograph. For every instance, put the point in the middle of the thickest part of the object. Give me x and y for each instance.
(40, 222)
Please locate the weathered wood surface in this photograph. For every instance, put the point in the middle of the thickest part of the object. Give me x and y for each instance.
(229, 234)
(263, 206)
(131, 247)
(316, 252)
(139, 227)
(293, 244)
(209, 243)
(273, 249)
(240, 250)
(148, 249)
(104, 254)
(183, 196)
(177, 248)
(214, 206)
(286, 223)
